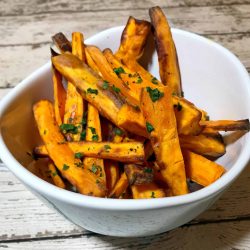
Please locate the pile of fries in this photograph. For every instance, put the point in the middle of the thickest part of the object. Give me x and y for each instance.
(116, 130)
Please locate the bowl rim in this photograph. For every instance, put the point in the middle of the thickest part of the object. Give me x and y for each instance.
(47, 189)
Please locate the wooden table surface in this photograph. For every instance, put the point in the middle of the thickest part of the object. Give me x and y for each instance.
(25, 30)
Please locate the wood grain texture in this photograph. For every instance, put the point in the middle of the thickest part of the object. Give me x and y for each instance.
(20, 30)
(25, 7)
(232, 235)
(21, 209)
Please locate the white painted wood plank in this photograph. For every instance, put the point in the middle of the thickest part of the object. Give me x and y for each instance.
(13, 71)
(26, 7)
(232, 235)
(39, 28)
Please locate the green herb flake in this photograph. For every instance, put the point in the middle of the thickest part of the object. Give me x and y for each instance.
(148, 170)
(78, 155)
(94, 168)
(65, 167)
(119, 71)
(149, 127)
(154, 94)
(92, 91)
(93, 131)
(139, 80)
(118, 131)
(178, 106)
(152, 195)
(207, 118)
(95, 138)
(107, 148)
(83, 135)
(78, 164)
(105, 85)
(68, 128)
(154, 80)
(97, 181)
(45, 132)
(182, 93)
(54, 174)
(115, 89)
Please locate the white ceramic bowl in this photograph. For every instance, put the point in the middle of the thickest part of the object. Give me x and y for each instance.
(213, 78)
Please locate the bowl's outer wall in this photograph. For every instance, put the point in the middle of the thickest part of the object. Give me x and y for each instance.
(124, 223)
(209, 80)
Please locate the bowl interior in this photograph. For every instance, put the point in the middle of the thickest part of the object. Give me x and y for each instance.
(211, 79)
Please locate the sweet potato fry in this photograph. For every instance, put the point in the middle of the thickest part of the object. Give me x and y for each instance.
(94, 133)
(157, 108)
(201, 170)
(123, 152)
(120, 187)
(91, 63)
(147, 191)
(133, 38)
(86, 81)
(112, 174)
(203, 145)
(54, 175)
(138, 175)
(63, 157)
(129, 117)
(74, 106)
(133, 65)
(59, 96)
(187, 115)
(167, 55)
(61, 42)
(113, 81)
(226, 125)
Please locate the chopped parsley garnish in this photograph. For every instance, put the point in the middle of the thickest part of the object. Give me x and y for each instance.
(178, 106)
(83, 135)
(78, 155)
(107, 148)
(119, 71)
(149, 127)
(154, 94)
(115, 89)
(92, 91)
(65, 167)
(105, 85)
(68, 128)
(95, 138)
(148, 170)
(153, 195)
(45, 132)
(97, 181)
(93, 131)
(118, 131)
(139, 80)
(54, 174)
(154, 80)
(94, 168)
